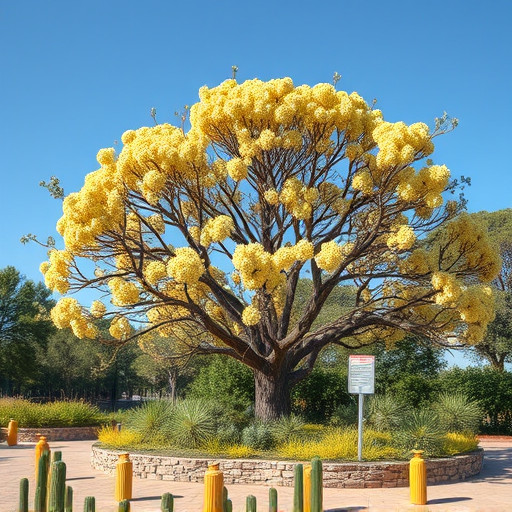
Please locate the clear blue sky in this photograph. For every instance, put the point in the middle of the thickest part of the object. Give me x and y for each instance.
(75, 75)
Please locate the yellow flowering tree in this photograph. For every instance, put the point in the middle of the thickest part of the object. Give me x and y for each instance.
(203, 234)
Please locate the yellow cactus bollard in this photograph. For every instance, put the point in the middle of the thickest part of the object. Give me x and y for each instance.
(213, 489)
(124, 475)
(418, 479)
(41, 446)
(307, 488)
(12, 433)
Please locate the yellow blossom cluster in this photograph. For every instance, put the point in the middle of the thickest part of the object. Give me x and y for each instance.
(476, 305)
(297, 198)
(251, 315)
(120, 328)
(156, 221)
(276, 109)
(401, 238)
(399, 144)
(427, 184)
(449, 288)
(363, 181)
(418, 262)
(98, 309)
(216, 229)
(468, 246)
(186, 267)
(124, 293)
(68, 313)
(257, 268)
(56, 271)
(332, 254)
(272, 196)
(97, 208)
(154, 271)
(286, 256)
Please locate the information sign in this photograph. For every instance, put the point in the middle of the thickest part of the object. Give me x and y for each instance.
(361, 374)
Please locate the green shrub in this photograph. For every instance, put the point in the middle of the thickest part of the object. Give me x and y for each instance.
(420, 430)
(492, 388)
(385, 412)
(345, 415)
(228, 434)
(258, 436)
(192, 423)
(53, 414)
(458, 413)
(151, 420)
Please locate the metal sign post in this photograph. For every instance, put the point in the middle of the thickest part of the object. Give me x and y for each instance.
(361, 381)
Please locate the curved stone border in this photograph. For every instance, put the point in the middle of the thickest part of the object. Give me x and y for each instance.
(280, 473)
(54, 434)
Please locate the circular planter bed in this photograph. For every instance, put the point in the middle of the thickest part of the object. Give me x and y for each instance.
(280, 473)
(54, 433)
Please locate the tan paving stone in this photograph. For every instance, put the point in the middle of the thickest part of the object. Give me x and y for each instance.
(491, 491)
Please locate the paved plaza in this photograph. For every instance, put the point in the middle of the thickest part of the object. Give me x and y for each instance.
(491, 491)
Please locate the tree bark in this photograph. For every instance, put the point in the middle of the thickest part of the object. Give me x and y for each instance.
(272, 395)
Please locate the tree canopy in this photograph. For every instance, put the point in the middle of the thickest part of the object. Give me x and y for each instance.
(203, 233)
(25, 325)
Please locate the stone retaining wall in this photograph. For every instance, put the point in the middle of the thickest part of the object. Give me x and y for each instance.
(280, 473)
(54, 434)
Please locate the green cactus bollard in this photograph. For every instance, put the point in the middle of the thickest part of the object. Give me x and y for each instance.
(42, 483)
(316, 485)
(167, 504)
(124, 506)
(250, 503)
(23, 503)
(229, 505)
(298, 490)
(68, 503)
(57, 496)
(272, 500)
(90, 504)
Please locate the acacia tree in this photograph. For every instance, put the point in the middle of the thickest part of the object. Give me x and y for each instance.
(272, 181)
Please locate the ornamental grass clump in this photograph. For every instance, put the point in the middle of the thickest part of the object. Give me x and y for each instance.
(458, 413)
(386, 412)
(192, 423)
(420, 430)
(288, 427)
(152, 421)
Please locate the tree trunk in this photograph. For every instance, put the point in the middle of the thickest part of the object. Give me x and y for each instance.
(272, 395)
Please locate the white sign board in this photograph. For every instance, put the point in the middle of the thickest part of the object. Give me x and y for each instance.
(361, 374)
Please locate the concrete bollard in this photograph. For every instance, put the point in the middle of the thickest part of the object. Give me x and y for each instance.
(418, 479)
(213, 489)
(124, 477)
(12, 433)
(41, 446)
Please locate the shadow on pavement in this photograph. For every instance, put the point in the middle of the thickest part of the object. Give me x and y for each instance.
(347, 509)
(80, 478)
(448, 500)
(149, 498)
(497, 466)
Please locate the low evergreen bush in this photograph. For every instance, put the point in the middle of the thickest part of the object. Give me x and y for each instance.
(258, 436)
